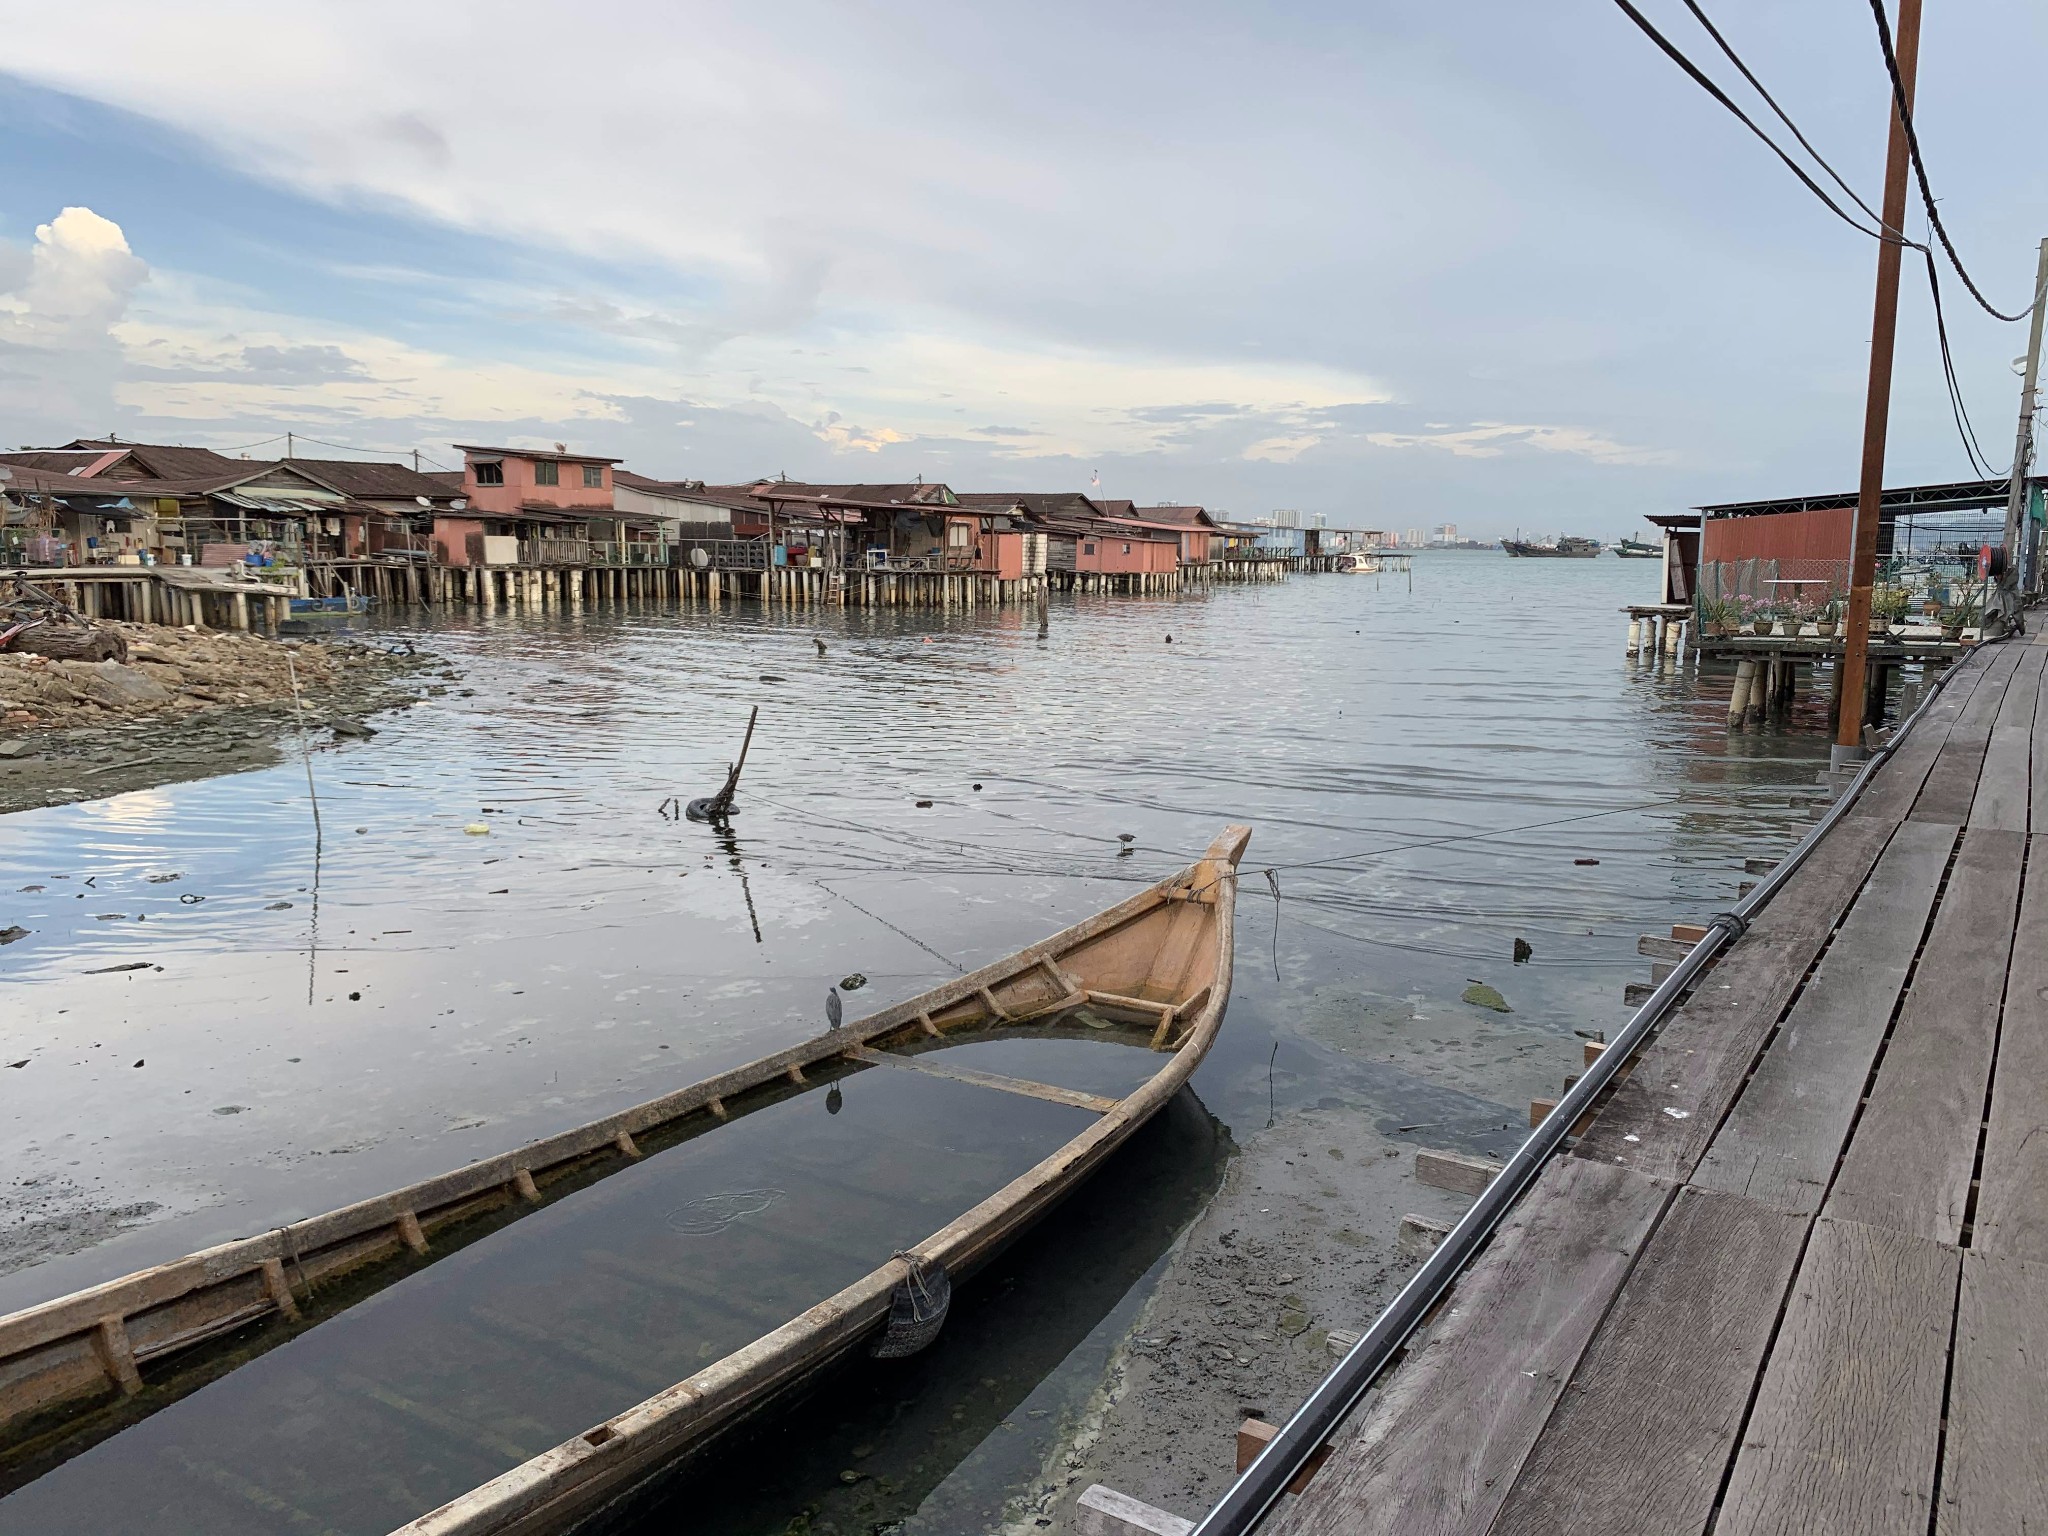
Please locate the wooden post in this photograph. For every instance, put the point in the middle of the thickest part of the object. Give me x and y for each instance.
(1738, 701)
(1878, 399)
(116, 1354)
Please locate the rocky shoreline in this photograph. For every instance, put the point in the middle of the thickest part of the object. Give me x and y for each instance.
(187, 704)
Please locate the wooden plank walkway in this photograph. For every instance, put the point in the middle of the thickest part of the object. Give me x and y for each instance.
(1794, 1278)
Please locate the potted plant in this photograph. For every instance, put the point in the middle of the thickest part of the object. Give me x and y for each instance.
(1715, 613)
(1888, 605)
(1966, 614)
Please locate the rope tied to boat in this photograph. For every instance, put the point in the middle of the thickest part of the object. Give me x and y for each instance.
(917, 1307)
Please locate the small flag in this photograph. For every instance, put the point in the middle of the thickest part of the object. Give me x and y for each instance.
(1095, 480)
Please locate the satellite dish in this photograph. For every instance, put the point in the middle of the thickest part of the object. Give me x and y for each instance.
(6, 474)
(459, 504)
(424, 501)
(699, 558)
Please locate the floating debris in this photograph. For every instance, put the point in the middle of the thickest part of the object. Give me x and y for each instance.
(1480, 995)
(12, 932)
(478, 829)
(1522, 951)
(852, 983)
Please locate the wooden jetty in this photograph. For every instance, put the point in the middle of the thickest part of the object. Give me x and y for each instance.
(1793, 1276)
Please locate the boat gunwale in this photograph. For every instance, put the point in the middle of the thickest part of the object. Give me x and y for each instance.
(573, 1481)
(250, 1267)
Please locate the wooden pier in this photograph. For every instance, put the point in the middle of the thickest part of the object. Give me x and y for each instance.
(1794, 1275)
(165, 594)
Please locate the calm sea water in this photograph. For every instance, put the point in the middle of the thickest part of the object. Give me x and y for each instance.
(1429, 769)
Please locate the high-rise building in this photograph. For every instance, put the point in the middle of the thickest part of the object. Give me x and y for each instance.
(1444, 533)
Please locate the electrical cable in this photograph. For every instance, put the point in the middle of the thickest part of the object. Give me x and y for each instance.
(1891, 64)
(1700, 78)
(1758, 86)
(1972, 449)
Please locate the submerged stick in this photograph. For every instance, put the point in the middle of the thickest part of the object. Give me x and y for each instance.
(717, 807)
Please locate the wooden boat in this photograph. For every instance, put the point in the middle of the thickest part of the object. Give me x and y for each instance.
(1567, 548)
(1153, 971)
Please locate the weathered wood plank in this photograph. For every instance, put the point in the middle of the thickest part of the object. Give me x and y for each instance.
(1898, 780)
(1780, 1142)
(2005, 787)
(1994, 1465)
(1646, 1426)
(1844, 1431)
(1660, 1120)
(2012, 1197)
(1438, 1451)
(1910, 1163)
(1952, 786)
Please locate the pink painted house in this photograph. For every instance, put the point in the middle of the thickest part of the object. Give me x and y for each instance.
(524, 494)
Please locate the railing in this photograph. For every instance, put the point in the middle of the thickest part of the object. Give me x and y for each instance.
(725, 554)
(633, 552)
(554, 552)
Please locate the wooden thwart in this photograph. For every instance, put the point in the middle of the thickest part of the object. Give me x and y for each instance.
(1018, 1085)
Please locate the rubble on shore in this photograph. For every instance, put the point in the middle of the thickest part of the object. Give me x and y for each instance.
(188, 703)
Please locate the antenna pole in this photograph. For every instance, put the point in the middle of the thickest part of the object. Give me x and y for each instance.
(2017, 544)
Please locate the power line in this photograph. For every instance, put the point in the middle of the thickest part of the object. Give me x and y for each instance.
(1758, 86)
(1700, 78)
(1891, 64)
(1958, 409)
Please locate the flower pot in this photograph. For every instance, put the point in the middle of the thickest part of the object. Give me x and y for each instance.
(1760, 627)
(1789, 628)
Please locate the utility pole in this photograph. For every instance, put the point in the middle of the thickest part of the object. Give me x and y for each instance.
(415, 461)
(287, 445)
(2017, 544)
(1884, 327)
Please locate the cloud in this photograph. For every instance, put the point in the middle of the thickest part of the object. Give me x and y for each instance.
(63, 298)
(844, 435)
(291, 366)
(1491, 439)
(1281, 450)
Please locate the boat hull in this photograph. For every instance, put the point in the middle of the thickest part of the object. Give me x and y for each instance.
(1526, 551)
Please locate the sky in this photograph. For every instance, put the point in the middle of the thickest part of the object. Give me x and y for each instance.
(1492, 264)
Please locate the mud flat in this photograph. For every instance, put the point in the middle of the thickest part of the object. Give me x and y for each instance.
(1301, 1240)
(187, 704)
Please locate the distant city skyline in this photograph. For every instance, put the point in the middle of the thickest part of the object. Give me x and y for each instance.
(1389, 266)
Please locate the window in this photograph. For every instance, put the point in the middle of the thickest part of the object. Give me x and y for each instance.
(593, 477)
(1087, 549)
(956, 535)
(546, 472)
(489, 472)
(1127, 549)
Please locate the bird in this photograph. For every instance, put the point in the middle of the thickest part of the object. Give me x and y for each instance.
(834, 1010)
(820, 645)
